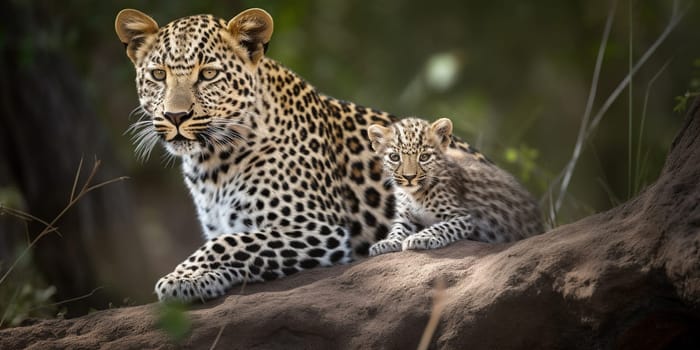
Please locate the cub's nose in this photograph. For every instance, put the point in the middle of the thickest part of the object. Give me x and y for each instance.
(409, 178)
(177, 118)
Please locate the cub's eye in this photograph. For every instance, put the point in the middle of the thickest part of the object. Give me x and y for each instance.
(158, 74)
(394, 157)
(424, 157)
(208, 74)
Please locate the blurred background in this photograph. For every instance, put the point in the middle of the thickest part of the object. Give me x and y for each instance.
(514, 77)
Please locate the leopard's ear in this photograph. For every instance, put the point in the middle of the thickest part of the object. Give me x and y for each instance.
(378, 136)
(133, 27)
(441, 130)
(252, 30)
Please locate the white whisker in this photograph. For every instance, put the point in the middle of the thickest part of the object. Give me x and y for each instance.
(220, 133)
(168, 160)
(143, 134)
(140, 111)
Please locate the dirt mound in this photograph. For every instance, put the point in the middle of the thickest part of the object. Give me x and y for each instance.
(628, 278)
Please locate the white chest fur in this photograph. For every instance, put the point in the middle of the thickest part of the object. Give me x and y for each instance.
(415, 210)
(221, 207)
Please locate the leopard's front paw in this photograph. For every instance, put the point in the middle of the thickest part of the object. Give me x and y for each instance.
(188, 286)
(417, 242)
(385, 246)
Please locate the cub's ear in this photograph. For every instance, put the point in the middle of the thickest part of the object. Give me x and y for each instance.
(441, 129)
(378, 136)
(133, 27)
(252, 30)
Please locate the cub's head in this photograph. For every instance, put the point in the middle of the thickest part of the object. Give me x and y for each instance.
(412, 149)
(194, 76)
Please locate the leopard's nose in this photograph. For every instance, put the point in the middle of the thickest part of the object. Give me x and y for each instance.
(177, 118)
(409, 178)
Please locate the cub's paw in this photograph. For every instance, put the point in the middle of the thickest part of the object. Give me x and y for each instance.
(417, 242)
(385, 246)
(187, 286)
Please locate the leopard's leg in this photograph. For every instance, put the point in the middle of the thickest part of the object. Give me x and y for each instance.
(231, 259)
(442, 234)
(400, 229)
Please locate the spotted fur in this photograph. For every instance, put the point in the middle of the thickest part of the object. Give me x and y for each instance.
(443, 196)
(282, 176)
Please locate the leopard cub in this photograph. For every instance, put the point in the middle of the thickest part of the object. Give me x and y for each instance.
(442, 195)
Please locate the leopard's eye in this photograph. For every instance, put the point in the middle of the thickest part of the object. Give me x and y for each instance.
(208, 74)
(158, 74)
(424, 157)
(394, 157)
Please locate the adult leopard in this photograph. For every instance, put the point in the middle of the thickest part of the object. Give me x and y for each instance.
(282, 176)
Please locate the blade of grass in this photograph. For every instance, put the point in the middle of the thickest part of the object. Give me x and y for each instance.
(612, 198)
(568, 171)
(630, 99)
(75, 180)
(644, 170)
(638, 160)
(603, 181)
(9, 304)
(673, 23)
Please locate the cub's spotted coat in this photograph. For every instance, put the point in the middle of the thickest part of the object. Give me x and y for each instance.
(443, 196)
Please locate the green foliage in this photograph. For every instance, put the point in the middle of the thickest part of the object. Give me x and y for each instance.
(10, 196)
(523, 157)
(25, 295)
(173, 320)
(693, 89)
(682, 101)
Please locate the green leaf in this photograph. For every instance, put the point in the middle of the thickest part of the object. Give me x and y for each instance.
(173, 320)
(681, 103)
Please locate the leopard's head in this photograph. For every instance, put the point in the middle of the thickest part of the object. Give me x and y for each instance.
(412, 150)
(195, 77)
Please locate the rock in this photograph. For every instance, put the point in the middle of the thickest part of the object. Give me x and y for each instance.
(627, 278)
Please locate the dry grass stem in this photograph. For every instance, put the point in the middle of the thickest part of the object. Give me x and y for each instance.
(50, 227)
(218, 336)
(586, 128)
(568, 171)
(439, 301)
(58, 303)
